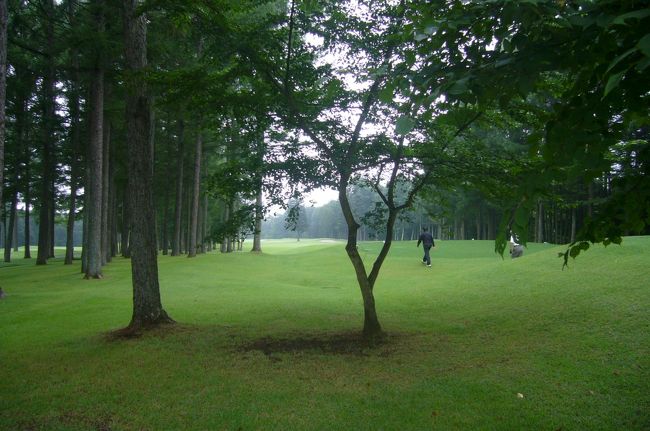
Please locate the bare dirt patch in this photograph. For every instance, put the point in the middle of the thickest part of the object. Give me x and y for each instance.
(345, 343)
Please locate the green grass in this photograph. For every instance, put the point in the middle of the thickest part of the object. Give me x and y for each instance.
(263, 342)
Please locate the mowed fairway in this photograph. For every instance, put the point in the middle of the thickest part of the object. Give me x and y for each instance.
(267, 342)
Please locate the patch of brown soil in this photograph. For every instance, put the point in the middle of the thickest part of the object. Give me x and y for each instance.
(345, 343)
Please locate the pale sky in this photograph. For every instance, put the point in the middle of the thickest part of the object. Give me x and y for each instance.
(321, 197)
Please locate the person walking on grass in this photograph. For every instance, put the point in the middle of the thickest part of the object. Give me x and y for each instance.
(427, 242)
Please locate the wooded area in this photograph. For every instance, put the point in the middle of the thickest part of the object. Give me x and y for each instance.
(161, 125)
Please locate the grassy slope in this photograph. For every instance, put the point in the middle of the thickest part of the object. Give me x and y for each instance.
(467, 336)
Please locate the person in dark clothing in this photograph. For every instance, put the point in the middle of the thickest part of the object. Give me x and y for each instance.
(427, 242)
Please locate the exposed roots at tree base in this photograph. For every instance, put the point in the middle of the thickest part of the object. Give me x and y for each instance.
(374, 337)
(138, 327)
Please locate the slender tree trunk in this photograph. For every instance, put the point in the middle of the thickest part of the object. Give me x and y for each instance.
(73, 102)
(371, 327)
(47, 179)
(204, 228)
(540, 222)
(111, 246)
(3, 87)
(15, 229)
(28, 201)
(164, 228)
(590, 198)
(147, 306)
(84, 234)
(11, 226)
(113, 218)
(226, 217)
(194, 219)
(188, 218)
(52, 224)
(259, 217)
(126, 226)
(105, 245)
(178, 209)
(69, 240)
(93, 201)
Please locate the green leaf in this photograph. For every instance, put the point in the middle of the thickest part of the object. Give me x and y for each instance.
(644, 45)
(619, 58)
(458, 87)
(613, 82)
(643, 64)
(386, 94)
(410, 58)
(404, 125)
(638, 14)
(521, 216)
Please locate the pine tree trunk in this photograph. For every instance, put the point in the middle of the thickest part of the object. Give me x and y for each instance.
(28, 201)
(4, 15)
(164, 231)
(15, 230)
(194, 219)
(204, 224)
(69, 240)
(11, 226)
(47, 178)
(111, 246)
(51, 226)
(226, 216)
(94, 198)
(178, 209)
(126, 226)
(105, 245)
(113, 218)
(540, 223)
(147, 306)
(74, 106)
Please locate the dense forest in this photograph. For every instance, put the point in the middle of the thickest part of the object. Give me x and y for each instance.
(171, 127)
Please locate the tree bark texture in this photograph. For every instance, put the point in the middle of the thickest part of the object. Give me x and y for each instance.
(11, 226)
(28, 200)
(259, 217)
(69, 240)
(47, 179)
(126, 226)
(194, 220)
(93, 201)
(147, 306)
(3, 87)
(204, 225)
(75, 132)
(178, 208)
(105, 245)
(371, 328)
